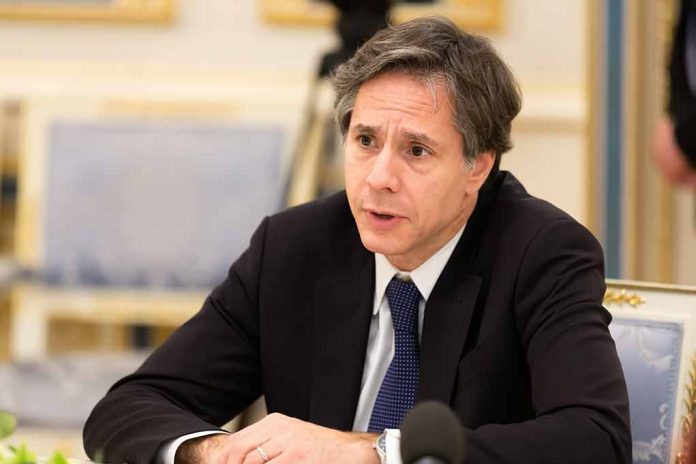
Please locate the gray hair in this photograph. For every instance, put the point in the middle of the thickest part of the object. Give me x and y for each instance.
(484, 94)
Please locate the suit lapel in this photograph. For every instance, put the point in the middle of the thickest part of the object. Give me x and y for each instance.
(342, 313)
(447, 318)
(451, 306)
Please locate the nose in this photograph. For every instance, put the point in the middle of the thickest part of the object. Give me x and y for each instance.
(384, 172)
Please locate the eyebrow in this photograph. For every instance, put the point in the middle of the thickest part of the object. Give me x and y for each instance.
(364, 129)
(420, 138)
(412, 136)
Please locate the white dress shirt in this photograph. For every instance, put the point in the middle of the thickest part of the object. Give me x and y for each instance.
(380, 345)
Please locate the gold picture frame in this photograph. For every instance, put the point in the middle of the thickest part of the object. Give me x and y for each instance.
(126, 11)
(479, 15)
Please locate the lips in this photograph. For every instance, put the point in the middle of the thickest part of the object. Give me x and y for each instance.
(382, 220)
(383, 214)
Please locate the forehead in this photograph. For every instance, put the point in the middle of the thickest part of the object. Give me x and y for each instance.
(402, 96)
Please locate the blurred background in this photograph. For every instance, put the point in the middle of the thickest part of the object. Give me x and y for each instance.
(142, 141)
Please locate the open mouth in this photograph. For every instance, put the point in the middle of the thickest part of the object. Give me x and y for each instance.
(383, 221)
(383, 218)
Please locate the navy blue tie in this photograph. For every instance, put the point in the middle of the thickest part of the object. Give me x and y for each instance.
(397, 394)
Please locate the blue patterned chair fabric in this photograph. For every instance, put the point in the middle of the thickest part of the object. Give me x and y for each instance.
(650, 352)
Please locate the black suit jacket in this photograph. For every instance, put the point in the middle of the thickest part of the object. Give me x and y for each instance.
(514, 338)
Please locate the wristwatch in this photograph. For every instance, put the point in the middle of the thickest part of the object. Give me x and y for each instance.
(380, 445)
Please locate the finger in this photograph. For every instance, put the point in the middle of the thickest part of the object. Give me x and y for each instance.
(242, 447)
(691, 181)
(241, 444)
(262, 454)
(286, 458)
(236, 450)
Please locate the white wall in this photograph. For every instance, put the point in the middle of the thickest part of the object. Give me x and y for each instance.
(545, 43)
(543, 40)
(684, 251)
(207, 33)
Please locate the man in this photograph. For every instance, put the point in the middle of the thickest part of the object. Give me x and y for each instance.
(675, 137)
(432, 277)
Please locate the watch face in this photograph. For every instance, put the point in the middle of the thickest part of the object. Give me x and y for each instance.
(382, 442)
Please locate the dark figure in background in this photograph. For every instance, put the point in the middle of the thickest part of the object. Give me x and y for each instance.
(358, 20)
(675, 137)
(432, 276)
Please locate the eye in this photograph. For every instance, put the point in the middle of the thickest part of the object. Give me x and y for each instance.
(365, 140)
(418, 151)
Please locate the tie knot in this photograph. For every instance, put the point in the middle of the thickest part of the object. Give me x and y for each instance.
(403, 298)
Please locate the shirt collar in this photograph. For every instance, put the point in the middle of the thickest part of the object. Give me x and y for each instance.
(424, 276)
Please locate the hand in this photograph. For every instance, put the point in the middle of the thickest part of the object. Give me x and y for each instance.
(285, 440)
(669, 156)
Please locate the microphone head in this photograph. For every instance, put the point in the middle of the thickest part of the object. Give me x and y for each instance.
(432, 430)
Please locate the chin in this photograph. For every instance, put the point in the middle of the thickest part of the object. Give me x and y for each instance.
(379, 244)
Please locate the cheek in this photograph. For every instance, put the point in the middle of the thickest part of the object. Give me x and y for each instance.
(437, 201)
(351, 179)
(354, 171)
(353, 186)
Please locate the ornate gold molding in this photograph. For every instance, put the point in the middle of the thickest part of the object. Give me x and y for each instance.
(616, 284)
(480, 15)
(130, 11)
(689, 416)
(621, 297)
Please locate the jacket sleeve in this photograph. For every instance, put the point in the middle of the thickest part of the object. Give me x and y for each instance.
(578, 389)
(202, 376)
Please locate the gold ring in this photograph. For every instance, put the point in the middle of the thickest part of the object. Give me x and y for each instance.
(262, 453)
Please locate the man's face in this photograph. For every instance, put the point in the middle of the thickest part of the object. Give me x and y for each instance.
(409, 187)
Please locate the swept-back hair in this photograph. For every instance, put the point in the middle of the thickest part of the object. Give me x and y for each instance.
(483, 93)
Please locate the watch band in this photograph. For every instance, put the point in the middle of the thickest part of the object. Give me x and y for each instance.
(380, 445)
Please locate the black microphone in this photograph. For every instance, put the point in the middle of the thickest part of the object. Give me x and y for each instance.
(431, 434)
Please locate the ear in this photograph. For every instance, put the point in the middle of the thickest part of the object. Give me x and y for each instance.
(478, 173)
